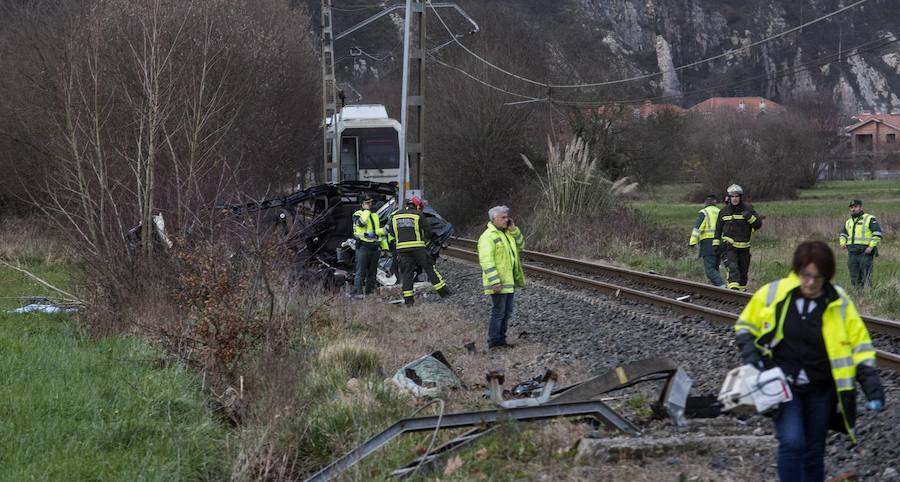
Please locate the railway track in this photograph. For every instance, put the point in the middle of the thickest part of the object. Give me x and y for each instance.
(466, 249)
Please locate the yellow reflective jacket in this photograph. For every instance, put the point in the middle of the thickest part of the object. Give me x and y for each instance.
(862, 230)
(367, 228)
(705, 228)
(847, 340)
(498, 254)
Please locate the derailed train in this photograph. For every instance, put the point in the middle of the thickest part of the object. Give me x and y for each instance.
(362, 160)
(316, 224)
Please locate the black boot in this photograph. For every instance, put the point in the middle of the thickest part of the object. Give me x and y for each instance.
(409, 301)
(444, 292)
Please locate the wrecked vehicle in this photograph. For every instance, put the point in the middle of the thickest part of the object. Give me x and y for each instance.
(316, 224)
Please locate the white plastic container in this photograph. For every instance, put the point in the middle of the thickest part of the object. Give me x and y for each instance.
(746, 385)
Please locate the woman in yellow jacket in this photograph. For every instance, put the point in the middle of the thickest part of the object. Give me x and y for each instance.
(811, 330)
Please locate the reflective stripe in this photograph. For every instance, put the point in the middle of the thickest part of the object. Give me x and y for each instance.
(407, 294)
(497, 241)
(750, 326)
(440, 285)
(773, 290)
(863, 347)
(494, 278)
(869, 362)
(841, 363)
(742, 331)
(844, 303)
(490, 270)
(752, 219)
(844, 383)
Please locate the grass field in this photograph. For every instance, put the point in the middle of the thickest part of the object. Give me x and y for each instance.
(817, 213)
(76, 409)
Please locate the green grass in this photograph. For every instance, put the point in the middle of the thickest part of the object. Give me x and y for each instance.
(76, 409)
(817, 213)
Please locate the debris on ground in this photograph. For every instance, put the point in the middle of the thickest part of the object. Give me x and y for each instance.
(426, 376)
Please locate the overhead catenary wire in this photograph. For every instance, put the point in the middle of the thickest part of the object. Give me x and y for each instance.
(484, 83)
(864, 47)
(727, 53)
(818, 62)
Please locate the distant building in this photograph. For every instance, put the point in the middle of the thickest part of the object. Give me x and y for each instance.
(739, 105)
(648, 109)
(874, 133)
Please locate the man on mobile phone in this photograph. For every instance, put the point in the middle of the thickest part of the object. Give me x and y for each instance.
(501, 270)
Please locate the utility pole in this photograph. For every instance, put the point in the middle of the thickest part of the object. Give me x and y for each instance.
(412, 114)
(330, 172)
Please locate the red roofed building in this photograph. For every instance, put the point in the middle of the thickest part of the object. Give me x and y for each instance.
(749, 105)
(874, 133)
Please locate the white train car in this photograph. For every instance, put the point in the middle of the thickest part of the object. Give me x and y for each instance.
(367, 142)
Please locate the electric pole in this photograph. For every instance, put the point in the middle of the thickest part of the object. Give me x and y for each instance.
(329, 102)
(412, 115)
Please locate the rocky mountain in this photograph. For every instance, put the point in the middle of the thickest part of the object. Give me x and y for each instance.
(852, 57)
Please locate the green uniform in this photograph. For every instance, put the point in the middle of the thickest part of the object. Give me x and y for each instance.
(858, 234)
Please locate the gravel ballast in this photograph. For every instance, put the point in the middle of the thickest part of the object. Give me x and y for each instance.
(602, 332)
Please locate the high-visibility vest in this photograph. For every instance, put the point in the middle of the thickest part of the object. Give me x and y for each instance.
(858, 231)
(405, 227)
(847, 340)
(707, 228)
(367, 228)
(498, 255)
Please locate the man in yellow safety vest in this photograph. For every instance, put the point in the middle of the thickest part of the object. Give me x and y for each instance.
(703, 233)
(860, 236)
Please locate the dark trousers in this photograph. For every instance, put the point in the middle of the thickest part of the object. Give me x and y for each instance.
(418, 258)
(366, 267)
(738, 263)
(801, 427)
(711, 268)
(860, 265)
(501, 311)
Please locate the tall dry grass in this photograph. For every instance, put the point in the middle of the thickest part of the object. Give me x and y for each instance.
(573, 185)
(29, 239)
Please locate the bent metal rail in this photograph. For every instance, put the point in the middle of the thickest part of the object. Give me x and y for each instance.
(879, 325)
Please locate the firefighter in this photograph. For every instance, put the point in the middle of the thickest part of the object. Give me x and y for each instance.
(501, 270)
(860, 236)
(703, 233)
(411, 232)
(369, 237)
(736, 224)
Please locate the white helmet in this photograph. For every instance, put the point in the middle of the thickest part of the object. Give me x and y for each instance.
(735, 189)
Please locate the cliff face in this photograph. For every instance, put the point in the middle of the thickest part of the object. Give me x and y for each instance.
(588, 40)
(684, 31)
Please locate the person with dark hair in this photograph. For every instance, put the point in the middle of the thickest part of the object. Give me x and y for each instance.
(703, 233)
(809, 328)
(860, 237)
(370, 238)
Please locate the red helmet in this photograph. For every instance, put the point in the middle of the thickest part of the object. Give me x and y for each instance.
(416, 201)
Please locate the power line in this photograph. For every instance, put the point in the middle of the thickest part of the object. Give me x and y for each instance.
(486, 84)
(645, 76)
(864, 47)
(823, 60)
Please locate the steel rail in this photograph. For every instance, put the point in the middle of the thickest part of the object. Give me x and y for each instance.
(886, 360)
(873, 323)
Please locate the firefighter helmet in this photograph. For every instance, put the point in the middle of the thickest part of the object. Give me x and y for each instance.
(735, 189)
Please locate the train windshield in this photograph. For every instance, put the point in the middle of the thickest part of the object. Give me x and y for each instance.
(378, 147)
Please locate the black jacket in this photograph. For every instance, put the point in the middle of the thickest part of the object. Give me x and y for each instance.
(735, 225)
